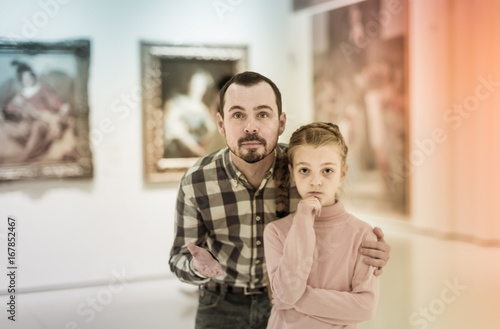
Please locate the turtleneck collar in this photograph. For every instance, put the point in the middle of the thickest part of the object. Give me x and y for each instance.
(332, 214)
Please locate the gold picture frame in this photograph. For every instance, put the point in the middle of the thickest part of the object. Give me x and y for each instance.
(44, 125)
(180, 85)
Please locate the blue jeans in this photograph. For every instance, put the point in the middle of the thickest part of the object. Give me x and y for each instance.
(226, 310)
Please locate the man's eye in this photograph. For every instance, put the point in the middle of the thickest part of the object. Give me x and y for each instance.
(263, 115)
(237, 115)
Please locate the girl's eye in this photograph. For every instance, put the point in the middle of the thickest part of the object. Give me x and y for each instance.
(328, 171)
(303, 171)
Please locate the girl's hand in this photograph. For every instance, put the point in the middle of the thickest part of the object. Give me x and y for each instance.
(310, 204)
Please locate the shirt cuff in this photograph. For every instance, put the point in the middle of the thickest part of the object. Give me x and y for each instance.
(198, 274)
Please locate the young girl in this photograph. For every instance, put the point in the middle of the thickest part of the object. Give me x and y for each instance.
(317, 277)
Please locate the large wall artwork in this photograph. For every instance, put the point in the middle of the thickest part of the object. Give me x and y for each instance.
(360, 84)
(180, 88)
(44, 128)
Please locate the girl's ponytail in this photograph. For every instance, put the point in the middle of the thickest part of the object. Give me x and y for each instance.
(282, 185)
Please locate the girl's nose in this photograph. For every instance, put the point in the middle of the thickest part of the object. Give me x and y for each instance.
(316, 180)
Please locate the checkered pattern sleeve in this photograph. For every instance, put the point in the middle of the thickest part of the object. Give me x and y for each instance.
(188, 227)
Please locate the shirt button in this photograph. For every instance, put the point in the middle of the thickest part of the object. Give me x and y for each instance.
(258, 242)
(257, 218)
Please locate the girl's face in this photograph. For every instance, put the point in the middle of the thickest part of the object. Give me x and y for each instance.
(318, 172)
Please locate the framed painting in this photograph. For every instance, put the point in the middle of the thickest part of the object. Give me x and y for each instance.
(44, 128)
(180, 90)
(360, 83)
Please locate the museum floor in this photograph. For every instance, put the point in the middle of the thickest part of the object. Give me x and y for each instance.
(429, 283)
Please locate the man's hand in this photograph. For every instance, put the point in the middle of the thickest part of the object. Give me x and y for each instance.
(377, 252)
(203, 261)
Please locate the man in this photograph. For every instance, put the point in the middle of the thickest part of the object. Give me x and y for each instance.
(224, 202)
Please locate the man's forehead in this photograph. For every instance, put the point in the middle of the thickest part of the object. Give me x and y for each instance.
(262, 86)
(258, 94)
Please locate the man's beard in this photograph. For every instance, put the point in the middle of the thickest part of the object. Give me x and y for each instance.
(252, 156)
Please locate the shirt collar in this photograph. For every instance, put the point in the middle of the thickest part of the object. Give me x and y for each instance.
(236, 175)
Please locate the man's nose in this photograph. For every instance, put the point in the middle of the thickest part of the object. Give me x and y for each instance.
(251, 126)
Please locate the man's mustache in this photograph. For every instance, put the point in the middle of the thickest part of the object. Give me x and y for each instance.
(252, 138)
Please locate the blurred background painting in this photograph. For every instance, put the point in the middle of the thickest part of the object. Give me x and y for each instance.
(181, 85)
(359, 83)
(43, 110)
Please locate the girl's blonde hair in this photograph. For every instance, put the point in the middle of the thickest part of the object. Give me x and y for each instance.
(314, 134)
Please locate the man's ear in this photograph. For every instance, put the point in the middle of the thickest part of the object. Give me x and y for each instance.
(220, 124)
(282, 123)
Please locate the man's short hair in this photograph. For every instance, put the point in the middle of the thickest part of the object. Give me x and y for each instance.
(249, 79)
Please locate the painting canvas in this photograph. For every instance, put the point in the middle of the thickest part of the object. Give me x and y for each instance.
(359, 64)
(180, 99)
(44, 110)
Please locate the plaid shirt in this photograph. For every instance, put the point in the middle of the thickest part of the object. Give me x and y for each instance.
(219, 210)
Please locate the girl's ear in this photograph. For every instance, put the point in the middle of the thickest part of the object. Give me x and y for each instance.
(290, 169)
(344, 172)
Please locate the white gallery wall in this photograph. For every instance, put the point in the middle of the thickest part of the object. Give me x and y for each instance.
(454, 100)
(74, 232)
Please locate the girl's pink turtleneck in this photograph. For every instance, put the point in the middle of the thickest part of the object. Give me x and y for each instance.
(316, 273)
